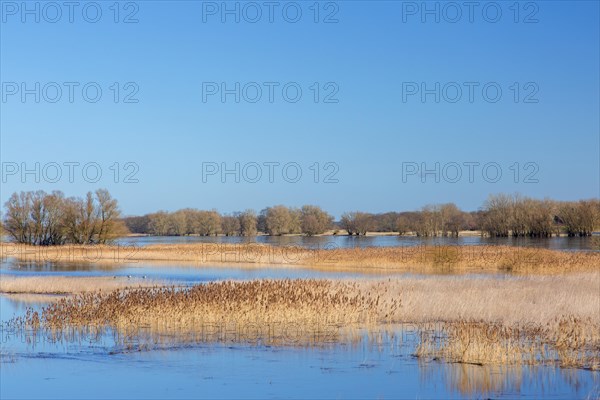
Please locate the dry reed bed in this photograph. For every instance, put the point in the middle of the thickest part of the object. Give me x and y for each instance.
(418, 259)
(275, 312)
(519, 321)
(68, 285)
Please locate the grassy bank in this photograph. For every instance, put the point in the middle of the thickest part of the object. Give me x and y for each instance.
(417, 259)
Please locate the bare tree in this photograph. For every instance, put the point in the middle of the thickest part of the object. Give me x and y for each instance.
(402, 224)
(110, 225)
(278, 220)
(248, 221)
(452, 219)
(357, 222)
(230, 225)
(579, 218)
(315, 221)
(207, 223)
(497, 209)
(159, 223)
(45, 219)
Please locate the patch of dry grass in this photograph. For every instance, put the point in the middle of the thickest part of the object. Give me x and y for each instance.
(569, 341)
(513, 300)
(272, 311)
(417, 259)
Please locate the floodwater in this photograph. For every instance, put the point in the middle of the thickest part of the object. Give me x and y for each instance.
(344, 241)
(82, 367)
(41, 367)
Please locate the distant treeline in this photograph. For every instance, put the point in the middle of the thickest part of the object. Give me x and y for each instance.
(277, 220)
(501, 216)
(39, 218)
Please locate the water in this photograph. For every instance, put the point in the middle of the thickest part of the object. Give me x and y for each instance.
(104, 368)
(343, 241)
(45, 369)
(238, 371)
(164, 272)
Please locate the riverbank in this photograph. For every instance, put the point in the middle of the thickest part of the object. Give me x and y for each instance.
(413, 259)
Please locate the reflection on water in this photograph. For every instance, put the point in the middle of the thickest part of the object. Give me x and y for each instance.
(343, 241)
(182, 275)
(492, 381)
(20, 302)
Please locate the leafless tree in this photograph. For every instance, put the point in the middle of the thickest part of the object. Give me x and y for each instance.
(357, 222)
(43, 219)
(314, 221)
(279, 220)
(248, 221)
(230, 225)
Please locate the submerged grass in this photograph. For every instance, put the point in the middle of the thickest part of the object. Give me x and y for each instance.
(520, 321)
(570, 341)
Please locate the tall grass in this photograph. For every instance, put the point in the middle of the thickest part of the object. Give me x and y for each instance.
(568, 341)
(477, 320)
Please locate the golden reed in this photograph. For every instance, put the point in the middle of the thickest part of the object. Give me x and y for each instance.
(313, 312)
(415, 259)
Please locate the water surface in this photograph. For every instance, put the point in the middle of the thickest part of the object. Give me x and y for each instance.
(344, 241)
(101, 367)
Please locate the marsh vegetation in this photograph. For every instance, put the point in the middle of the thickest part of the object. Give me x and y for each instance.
(474, 320)
(415, 259)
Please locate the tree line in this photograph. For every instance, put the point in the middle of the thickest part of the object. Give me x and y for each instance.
(39, 218)
(514, 215)
(500, 216)
(277, 220)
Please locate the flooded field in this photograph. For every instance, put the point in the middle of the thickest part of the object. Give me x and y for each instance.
(106, 365)
(344, 241)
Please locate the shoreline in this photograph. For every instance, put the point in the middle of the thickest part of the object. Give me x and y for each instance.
(416, 259)
(332, 232)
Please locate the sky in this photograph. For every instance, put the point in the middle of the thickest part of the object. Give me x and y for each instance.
(349, 105)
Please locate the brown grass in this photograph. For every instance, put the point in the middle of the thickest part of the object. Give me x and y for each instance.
(275, 312)
(569, 341)
(418, 259)
(517, 321)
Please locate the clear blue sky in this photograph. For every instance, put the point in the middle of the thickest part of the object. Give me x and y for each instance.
(369, 55)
